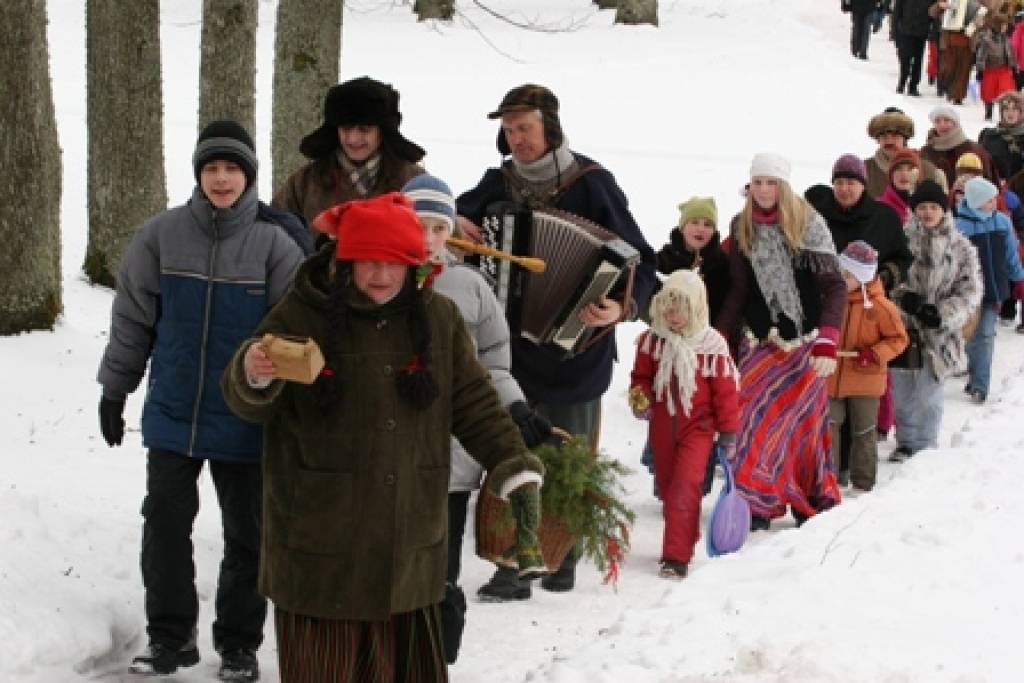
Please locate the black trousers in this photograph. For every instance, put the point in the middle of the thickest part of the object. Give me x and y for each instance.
(168, 570)
(860, 34)
(911, 53)
(453, 606)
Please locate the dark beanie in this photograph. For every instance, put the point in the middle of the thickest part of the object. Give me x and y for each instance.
(229, 141)
(928, 191)
(850, 166)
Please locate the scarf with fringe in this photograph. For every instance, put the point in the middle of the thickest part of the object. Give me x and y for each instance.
(705, 352)
(775, 265)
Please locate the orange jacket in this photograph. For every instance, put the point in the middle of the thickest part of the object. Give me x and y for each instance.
(879, 328)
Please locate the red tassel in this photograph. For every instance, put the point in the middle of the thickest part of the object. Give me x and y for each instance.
(327, 372)
(615, 557)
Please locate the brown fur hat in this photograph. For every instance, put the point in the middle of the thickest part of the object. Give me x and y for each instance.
(1011, 96)
(892, 120)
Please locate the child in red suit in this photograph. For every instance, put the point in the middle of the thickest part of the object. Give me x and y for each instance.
(685, 382)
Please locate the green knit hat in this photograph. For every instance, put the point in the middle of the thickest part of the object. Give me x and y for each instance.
(698, 207)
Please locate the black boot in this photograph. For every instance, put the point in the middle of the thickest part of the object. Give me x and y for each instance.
(505, 585)
(565, 578)
(238, 665)
(161, 660)
(758, 523)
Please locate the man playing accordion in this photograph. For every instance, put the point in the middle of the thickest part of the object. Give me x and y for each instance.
(543, 173)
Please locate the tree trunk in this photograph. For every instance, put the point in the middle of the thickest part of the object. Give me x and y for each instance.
(30, 165)
(125, 128)
(607, 4)
(637, 12)
(307, 53)
(434, 9)
(227, 67)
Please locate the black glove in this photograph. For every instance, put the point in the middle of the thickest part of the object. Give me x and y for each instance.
(112, 420)
(535, 428)
(929, 316)
(910, 302)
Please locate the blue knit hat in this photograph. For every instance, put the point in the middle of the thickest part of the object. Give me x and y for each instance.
(432, 198)
(977, 191)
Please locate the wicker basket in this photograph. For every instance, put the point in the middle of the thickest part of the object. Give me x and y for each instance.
(496, 533)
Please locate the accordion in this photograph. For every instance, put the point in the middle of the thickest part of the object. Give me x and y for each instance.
(584, 263)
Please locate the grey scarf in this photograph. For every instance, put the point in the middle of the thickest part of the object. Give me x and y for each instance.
(362, 176)
(774, 264)
(944, 143)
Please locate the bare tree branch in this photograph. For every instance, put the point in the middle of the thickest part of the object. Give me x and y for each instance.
(575, 25)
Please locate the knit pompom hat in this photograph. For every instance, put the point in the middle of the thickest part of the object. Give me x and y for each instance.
(770, 165)
(698, 207)
(979, 191)
(431, 198)
(929, 191)
(860, 260)
(226, 140)
(850, 166)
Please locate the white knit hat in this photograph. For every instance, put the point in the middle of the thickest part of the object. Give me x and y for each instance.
(771, 165)
(944, 110)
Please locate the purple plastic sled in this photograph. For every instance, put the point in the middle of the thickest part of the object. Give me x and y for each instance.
(730, 519)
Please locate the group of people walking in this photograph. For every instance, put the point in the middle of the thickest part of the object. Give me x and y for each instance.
(344, 501)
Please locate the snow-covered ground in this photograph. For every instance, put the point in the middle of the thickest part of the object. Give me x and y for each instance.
(916, 581)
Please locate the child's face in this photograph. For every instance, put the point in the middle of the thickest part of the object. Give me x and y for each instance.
(929, 213)
(903, 177)
(359, 143)
(764, 190)
(223, 182)
(437, 231)
(852, 284)
(676, 318)
(1009, 113)
(697, 232)
(379, 280)
(988, 207)
(944, 124)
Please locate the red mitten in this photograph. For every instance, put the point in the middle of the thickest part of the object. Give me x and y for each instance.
(823, 351)
(866, 357)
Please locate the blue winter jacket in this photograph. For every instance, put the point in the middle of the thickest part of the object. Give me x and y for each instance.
(194, 283)
(993, 236)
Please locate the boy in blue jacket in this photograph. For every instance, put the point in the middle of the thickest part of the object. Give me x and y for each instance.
(1002, 273)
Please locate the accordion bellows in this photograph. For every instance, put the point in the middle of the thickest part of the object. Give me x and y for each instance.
(584, 263)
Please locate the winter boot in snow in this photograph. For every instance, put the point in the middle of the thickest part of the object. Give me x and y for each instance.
(901, 454)
(160, 659)
(238, 665)
(565, 578)
(505, 585)
(759, 523)
(672, 570)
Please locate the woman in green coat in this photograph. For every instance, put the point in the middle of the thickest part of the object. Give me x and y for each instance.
(356, 465)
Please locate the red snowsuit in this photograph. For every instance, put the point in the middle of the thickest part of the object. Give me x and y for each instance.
(681, 444)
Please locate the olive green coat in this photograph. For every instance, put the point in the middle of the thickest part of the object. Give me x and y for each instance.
(355, 502)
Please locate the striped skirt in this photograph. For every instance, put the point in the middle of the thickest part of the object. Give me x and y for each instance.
(405, 649)
(784, 448)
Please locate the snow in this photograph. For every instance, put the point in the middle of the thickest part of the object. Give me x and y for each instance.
(917, 581)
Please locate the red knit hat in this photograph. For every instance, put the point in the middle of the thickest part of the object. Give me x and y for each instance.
(384, 228)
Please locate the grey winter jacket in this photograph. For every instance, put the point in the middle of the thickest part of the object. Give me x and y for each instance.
(193, 284)
(945, 272)
(487, 327)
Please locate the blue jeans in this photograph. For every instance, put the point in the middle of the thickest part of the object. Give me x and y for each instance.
(917, 397)
(981, 348)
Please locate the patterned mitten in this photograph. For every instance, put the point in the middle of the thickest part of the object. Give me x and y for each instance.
(525, 503)
(639, 403)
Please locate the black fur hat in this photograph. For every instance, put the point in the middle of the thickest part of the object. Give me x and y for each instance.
(530, 97)
(361, 101)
